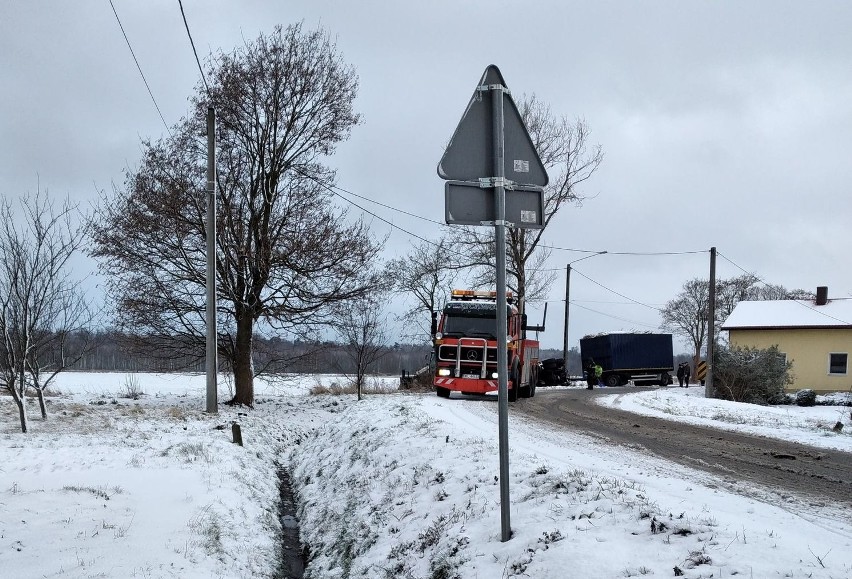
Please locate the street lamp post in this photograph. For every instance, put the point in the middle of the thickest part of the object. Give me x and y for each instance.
(567, 297)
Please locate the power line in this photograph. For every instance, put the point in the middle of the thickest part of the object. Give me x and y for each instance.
(800, 302)
(331, 189)
(740, 268)
(426, 219)
(636, 253)
(614, 317)
(133, 54)
(390, 207)
(188, 33)
(615, 292)
(386, 206)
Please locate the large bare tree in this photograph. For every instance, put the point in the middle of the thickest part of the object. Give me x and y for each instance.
(564, 148)
(41, 304)
(285, 255)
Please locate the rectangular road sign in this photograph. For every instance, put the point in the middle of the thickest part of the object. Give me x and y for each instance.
(469, 204)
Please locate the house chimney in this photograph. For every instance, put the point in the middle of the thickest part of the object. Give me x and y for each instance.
(822, 295)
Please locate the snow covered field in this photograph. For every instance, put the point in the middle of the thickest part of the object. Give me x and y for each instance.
(398, 485)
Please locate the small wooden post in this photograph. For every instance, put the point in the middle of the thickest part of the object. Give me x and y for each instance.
(238, 436)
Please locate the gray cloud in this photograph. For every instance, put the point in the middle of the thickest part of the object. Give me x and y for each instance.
(724, 124)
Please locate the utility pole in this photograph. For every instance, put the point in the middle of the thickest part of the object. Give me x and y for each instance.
(212, 347)
(711, 326)
(567, 297)
(567, 308)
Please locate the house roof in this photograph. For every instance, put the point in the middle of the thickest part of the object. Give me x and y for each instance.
(789, 314)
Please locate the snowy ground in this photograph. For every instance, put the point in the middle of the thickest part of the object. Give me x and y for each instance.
(395, 486)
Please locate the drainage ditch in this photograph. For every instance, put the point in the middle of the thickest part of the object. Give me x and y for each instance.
(293, 555)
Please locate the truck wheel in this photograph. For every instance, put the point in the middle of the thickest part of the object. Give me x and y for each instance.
(442, 392)
(515, 377)
(613, 380)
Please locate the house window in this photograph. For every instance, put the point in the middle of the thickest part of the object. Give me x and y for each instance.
(837, 363)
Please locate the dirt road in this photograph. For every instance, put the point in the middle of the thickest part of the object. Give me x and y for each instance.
(818, 477)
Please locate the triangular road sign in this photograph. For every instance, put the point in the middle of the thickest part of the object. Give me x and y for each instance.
(470, 154)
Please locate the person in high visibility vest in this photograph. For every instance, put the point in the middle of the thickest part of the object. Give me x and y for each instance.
(598, 373)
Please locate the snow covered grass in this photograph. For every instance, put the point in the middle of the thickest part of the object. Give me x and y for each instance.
(808, 425)
(394, 486)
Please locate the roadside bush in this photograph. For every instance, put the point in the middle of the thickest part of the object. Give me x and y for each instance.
(748, 374)
(806, 397)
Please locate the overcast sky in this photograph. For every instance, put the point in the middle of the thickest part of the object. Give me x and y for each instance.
(723, 123)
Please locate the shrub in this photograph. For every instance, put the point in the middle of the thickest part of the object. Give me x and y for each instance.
(131, 387)
(750, 374)
(805, 397)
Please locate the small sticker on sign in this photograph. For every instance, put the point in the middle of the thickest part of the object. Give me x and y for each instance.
(528, 216)
(522, 166)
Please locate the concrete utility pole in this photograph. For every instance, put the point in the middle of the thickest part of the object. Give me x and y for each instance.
(711, 326)
(567, 298)
(212, 347)
(567, 302)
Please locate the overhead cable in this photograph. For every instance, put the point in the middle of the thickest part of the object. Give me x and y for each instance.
(188, 33)
(615, 292)
(614, 317)
(133, 54)
(800, 302)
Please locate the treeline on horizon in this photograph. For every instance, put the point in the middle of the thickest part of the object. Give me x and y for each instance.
(108, 351)
(114, 351)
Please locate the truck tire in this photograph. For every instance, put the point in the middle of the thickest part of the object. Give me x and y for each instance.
(613, 380)
(442, 392)
(515, 377)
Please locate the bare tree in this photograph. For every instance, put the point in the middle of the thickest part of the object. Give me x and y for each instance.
(425, 276)
(360, 327)
(570, 160)
(40, 304)
(687, 314)
(285, 256)
(730, 292)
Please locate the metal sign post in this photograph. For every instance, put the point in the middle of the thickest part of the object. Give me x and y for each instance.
(502, 322)
(476, 157)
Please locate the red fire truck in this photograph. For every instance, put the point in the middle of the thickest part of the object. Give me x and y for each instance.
(466, 340)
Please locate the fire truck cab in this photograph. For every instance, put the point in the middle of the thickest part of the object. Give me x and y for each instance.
(466, 339)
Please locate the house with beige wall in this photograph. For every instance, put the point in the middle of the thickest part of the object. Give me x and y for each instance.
(815, 335)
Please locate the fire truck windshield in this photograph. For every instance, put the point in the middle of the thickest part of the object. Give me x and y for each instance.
(470, 326)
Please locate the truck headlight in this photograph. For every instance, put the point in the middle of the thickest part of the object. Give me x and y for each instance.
(443, 371)
(494, 375)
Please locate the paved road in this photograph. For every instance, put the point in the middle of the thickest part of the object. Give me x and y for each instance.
(819, 476)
